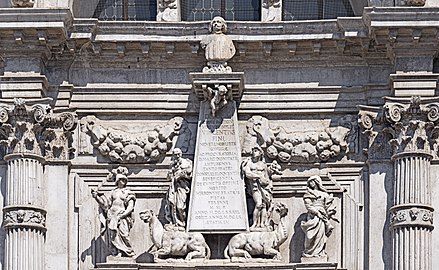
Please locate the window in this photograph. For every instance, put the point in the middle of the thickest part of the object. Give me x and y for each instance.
(126, 10)
(316, 9)
(230, 10)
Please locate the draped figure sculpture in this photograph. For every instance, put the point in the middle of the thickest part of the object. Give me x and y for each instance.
(317, 226)
(118, 209)
(259, 186)
(179, 174)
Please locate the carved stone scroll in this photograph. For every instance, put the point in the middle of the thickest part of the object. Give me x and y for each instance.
(168, 11)
(127, 147)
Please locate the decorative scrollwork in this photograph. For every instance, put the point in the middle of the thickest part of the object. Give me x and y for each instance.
(411, 215)
(69, 121)
(4, 115)
(433, 112)
(40, 112)
(366, 120)
(24, 218)
(393, 112)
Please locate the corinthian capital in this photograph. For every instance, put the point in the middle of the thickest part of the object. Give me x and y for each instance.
(407, 124)
(30, 126)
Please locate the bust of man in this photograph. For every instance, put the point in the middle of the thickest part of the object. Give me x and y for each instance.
(219, 47)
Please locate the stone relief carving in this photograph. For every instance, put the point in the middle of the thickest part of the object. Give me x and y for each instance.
(23, 3)
(218, 47)
(412, 2)
(117, 209)
(261, 243)
(31, 127)
(411, 215)
(258, 176)
(218, 97)
(180, 175)
(317, 226)
(148, 146)
(167, 11)
(173, 242)
(24, 217)
(271, 10)
(293, 147)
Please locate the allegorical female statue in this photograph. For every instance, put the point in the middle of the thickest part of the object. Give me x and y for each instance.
(317, 226)
(259, 185)
(118, 209)
(179, 174)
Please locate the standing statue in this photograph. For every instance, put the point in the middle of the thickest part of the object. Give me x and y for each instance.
(264, 243)
(259, 185)
(180, 174)
(219, 47)
(118, 210)
(317, 226)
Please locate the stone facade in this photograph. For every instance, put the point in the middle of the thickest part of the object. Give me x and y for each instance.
(219, 144)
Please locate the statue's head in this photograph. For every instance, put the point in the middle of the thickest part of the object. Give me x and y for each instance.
(177, 153)
(315, 182)
(146, 215)
(121, 180)
(257, 152)
(218, 25)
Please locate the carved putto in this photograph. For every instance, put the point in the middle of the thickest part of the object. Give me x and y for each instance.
(173, 243)
(180, 175)
(117, 209)
(271, 10)
(148, 146)
(218, 47)
(294, 147)
(218, 97)
(30, 126)
(252, 245)
(317, 226)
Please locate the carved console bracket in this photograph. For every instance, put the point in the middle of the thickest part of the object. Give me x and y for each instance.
(30, 126)
(234, 82)
(406, 215)
(128, 147)
(24, 216)
(297, 147)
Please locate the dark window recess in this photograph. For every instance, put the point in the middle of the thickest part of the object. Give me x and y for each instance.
(126, 10)
(294, 10)
(230, 10)
(436, 65)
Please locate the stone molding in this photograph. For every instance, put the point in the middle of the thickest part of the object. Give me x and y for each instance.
(298, 147)
(24, 216)
(149, 146)
(30, 126)
(405, 215)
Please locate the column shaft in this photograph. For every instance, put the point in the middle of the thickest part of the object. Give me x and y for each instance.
(24, 219)
(412, 214)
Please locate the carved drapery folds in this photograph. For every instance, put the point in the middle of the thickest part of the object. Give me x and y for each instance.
(297, 147)
(147, 146)
(31, 127)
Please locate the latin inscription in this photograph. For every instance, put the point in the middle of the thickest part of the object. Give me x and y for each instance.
(217, 195)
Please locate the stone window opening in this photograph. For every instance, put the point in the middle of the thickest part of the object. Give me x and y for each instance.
(126, 10)
(294, 10)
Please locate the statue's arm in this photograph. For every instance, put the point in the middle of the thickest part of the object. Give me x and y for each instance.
(129, 209)
(100, 199)
(309, 205)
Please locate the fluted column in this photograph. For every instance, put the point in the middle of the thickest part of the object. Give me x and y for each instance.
(412, 214)
(31, 134)
(24, 215)
(410, 127)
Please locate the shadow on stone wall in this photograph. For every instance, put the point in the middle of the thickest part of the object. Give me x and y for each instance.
(297, 240)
